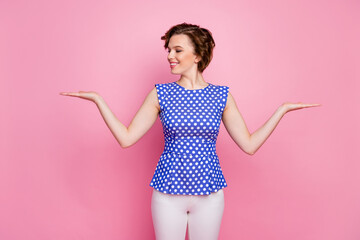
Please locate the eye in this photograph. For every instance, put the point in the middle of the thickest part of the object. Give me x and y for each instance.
(176, 50)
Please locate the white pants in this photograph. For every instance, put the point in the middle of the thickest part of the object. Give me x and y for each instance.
(202, 214)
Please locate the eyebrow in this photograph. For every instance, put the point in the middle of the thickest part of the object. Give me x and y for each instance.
(176, 46)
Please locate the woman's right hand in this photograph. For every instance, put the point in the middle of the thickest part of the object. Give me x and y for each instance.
(92, 96)
(126, 136)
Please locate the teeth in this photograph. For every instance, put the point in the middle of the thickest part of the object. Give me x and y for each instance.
(173, 64)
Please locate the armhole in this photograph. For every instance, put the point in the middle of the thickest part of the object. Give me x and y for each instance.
(224, 97)
(160, 95)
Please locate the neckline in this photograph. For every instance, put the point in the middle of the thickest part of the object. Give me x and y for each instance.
(193, 89)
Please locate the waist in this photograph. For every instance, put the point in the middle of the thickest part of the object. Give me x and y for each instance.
(190, 146)
(188, 154)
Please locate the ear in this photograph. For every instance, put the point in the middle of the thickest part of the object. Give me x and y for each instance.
(197, 59)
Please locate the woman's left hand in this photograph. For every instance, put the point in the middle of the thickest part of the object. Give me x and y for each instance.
(295, 106)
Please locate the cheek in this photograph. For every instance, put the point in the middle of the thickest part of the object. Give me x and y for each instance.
(188, 58)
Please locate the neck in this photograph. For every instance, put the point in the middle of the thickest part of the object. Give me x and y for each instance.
(192, 80)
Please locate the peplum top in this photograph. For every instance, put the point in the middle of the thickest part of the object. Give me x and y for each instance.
(189, 164)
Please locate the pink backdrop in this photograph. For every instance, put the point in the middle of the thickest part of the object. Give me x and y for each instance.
(63, 176)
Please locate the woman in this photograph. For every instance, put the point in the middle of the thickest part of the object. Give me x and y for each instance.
(188, 182)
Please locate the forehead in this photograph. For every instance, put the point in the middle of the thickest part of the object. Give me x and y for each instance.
(181, 40)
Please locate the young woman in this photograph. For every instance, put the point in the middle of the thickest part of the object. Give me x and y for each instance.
(188, 181)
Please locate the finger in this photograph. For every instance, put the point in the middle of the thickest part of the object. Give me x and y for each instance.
(73, 94)
(312, 105)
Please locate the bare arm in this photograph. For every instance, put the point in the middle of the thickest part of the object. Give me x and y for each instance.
(143, 120)
(236, 127)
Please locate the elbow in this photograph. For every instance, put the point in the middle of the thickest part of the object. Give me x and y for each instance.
(125, 144)
(248, 150)
(251, 151)
(128, 143)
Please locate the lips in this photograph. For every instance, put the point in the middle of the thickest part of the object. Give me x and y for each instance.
(173, 64)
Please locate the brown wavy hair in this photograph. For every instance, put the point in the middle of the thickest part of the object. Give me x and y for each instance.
(201, 39)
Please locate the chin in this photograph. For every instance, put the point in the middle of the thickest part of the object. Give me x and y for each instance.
(175, 73)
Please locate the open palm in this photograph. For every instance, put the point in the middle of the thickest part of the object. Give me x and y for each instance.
(91, 95)
(296, 106)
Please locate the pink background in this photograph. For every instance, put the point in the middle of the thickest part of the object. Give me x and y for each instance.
(63, 176)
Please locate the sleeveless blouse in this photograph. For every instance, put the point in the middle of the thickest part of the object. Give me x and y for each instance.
(189, 164)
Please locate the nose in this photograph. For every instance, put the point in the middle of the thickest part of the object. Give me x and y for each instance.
(170, 55)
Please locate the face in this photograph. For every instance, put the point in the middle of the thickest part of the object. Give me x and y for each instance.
(181, 55)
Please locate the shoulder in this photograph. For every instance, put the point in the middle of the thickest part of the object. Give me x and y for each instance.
(162, 87)
(223, 91)
(159, 92)
(230, 102)
(221, 87)
(152, 97)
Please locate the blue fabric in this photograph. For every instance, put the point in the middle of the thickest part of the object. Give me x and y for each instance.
(189, 164)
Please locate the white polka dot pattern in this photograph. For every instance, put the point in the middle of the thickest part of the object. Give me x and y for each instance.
(191, 120)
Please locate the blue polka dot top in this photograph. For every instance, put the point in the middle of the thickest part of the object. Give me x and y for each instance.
(191, 120)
